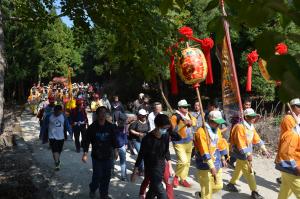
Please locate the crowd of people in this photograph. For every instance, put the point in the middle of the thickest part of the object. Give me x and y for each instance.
(147, 132)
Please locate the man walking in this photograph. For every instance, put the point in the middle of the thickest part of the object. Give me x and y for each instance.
(182, 123)
(56, 124)
(101, 134)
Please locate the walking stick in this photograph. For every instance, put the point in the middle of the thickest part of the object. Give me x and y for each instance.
(196, 86)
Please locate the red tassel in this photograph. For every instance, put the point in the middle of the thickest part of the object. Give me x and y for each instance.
(249, 79)
(206, 46)
(281, 49)
(251, 58)
(174, 88)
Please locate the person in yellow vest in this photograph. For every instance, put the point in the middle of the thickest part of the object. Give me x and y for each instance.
(211, 153)
(243, 137)
(288, 122)
(94, 105)
(288, 163)
(182, 122)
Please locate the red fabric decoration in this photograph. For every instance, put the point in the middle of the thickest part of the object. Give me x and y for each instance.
(174, 88)
(206, 46)
(186, 31)
(251, 59)
(281, 49)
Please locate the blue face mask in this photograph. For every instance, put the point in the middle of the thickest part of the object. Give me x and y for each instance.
(163, 131)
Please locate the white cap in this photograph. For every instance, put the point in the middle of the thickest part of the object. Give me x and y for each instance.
(183, 103)
(216, 116)
(141, 95)
(142, 112)
(250, 112)
(295, 101)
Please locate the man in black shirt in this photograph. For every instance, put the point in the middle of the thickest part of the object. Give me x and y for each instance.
(101, 134)
(155, 151)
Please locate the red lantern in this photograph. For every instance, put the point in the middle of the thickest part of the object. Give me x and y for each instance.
(193, 66)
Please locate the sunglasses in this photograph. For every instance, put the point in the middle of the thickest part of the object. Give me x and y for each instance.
(185, 107)
(297, 105)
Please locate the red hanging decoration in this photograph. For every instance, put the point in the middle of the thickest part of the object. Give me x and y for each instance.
(186, 31)
(174, 88)
(281, 49)
(251, 59)
(206, 45)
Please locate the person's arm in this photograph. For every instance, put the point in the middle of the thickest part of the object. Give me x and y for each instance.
(86, 140)
(141, 153)
(67, 125)
(133, 131)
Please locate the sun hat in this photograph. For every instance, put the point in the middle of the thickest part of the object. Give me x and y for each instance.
(295, 101)
(216, 116)
(250, 112)
(143, 112)
(183, 103)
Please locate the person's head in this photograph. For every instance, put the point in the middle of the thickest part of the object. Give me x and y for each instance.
(250, 115)
(215, 119)
(146, 99)
(157, 107)
(142, 115)
(197, 106)
(141, 96)
(51, 100)
(79, 103)
(162, 123)
(116, 98)
(295, 105)
(213, 105)
(101, 113)
(247, 103)
(183, 106)
(96, 97)
(104, 96)
(57, 110)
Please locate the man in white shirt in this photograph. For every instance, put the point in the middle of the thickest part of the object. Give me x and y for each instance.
(56, 125)
(157, 110)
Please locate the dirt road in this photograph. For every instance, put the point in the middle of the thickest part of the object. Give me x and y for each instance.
(73, 178)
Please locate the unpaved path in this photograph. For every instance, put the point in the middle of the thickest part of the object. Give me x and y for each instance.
(73, 178)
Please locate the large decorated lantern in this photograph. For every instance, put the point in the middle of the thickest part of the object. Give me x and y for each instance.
(192, 68)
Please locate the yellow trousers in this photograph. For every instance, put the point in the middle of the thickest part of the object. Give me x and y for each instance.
(289, 184)
(208, 186)
(183, 153)
(243, 168)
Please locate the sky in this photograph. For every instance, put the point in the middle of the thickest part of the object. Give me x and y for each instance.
(66, 20)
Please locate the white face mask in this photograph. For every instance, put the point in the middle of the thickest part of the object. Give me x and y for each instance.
(163, 131)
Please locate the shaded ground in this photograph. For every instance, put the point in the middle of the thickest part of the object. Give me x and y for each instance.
(73, 178)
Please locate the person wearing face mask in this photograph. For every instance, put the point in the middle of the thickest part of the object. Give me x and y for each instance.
(211, 150)
(156, 155)
(137, 131)
(243, 137)
(288, 122)
(105, 102)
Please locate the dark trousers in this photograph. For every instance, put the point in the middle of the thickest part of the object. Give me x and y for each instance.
(101, 176)
(156, 188)
(77, 131)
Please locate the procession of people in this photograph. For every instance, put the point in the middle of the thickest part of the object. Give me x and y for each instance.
(149, 132)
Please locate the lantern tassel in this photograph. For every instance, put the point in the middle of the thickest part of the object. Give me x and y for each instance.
(174, 88)
(249, 79)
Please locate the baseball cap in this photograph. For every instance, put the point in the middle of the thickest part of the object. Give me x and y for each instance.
(216, 116)
(142, 112)
(295, 101)
(250, 112)
(183, 103)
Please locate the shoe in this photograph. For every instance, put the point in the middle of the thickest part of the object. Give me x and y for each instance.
(278, 180)
(175, 182)
(57, 166)
(231, 188)
(255, 195)
(92, 195)
(142, 196)
(198, 195)
(184, 183)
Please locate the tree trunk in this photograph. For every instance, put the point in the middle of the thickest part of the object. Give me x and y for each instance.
(2, 69)
(163, 96)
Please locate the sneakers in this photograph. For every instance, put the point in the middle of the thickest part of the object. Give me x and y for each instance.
(57, 166)
(278, 180)
(255, 195)
(175, 182)
(198, 195)
(92, 195)
(184, 183)
(231, 188)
